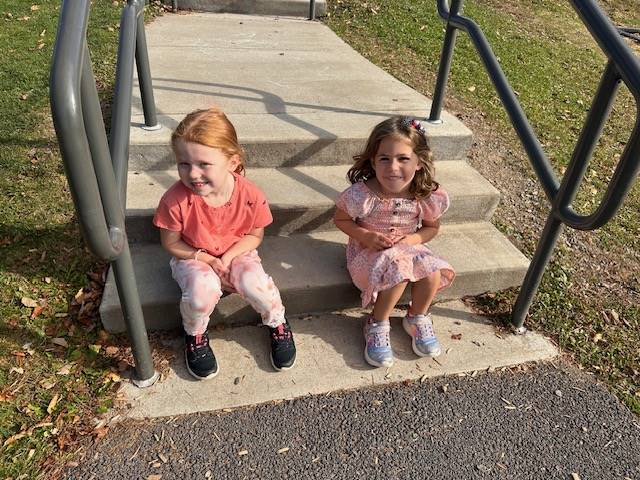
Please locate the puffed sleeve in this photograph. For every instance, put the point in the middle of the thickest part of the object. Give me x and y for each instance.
(168, 215)
(434, 206)
(356, 201)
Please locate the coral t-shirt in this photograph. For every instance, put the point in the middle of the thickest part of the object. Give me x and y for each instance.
(214, 229)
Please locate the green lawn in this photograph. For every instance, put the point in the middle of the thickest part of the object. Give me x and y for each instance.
(589, 304)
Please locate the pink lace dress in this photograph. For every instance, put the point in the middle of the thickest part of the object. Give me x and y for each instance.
(374, 271)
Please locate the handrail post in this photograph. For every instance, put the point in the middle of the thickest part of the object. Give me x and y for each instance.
(134, 319)
(121, 110)
(144, 72)
(312, 9)
(532, 279)
(445, 65)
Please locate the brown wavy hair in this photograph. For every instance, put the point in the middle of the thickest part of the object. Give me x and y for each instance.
(423, 183)
(210, 128)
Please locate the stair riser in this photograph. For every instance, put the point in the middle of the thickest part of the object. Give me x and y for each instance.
(288, 221)
(293, 8)
(232, 310)
(294, 153)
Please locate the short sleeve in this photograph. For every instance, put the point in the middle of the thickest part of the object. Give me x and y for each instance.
(434, 206)
(168, 216)
(356, 201)
(263, 215)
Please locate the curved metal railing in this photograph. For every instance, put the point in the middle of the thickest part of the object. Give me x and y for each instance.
(96, 168)
(622, 65)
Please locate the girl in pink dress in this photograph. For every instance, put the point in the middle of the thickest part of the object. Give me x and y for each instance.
(212, 221)
(390, 210)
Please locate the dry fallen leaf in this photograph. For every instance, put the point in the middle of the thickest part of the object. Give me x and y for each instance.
(242, 453)
(18, 370)
(65, 370)
(29, 302)
(283, 450)
(53, 403)
(472, 88)
(60, 341)
(111, 350)
(35, 7)
(154, 477)
(456, 336)
(36, 311)
(100, 432)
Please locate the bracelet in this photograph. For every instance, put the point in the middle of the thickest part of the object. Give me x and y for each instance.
(198, 252)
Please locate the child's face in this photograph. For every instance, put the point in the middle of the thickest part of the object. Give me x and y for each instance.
(395, 165)
(204, 170)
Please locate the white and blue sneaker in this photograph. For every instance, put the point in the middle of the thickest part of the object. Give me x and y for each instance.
(423, 339)
(377, 350)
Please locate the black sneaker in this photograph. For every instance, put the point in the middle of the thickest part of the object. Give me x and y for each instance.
(201, 362)
(283, 349)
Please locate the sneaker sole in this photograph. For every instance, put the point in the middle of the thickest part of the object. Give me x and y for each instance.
(413, 343)
(374, 363)
(199, 377)
(282, 369)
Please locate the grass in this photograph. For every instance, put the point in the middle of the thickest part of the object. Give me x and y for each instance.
(58, 370)
(554, 67)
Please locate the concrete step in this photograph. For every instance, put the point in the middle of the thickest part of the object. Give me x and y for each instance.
(293, 8)
(296, 93)
(302, 198)
(329, 358)
(310, 271)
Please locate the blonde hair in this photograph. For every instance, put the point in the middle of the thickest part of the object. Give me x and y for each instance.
(210, 128)
(423, 182)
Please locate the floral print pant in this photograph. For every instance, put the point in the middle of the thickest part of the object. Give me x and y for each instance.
(202, 288)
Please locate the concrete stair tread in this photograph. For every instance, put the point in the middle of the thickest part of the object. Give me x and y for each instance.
(294, 90)
(311, 274)
(302, 198)
(336, 339)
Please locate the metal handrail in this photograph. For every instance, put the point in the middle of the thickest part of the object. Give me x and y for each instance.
(96, 182)
(622, 65)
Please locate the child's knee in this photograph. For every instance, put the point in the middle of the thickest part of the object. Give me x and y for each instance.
(202, 297)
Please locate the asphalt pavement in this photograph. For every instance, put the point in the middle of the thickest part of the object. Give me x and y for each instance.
(544, 421)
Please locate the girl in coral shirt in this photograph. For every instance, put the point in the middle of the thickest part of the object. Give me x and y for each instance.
(211, 221)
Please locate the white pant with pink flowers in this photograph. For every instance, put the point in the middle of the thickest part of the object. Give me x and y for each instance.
(202, 288)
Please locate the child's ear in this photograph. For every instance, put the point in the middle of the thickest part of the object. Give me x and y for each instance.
(234, 161)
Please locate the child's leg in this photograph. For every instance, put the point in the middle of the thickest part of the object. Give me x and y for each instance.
(417, 322)
(201, 291)
(386, 301)
(250, 280)
(422, 293)
(256, 287)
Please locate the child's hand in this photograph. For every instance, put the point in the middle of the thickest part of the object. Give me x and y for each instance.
(226, 260)
(376, 241)
(218, 266)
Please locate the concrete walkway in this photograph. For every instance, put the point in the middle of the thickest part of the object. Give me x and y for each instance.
(330, 358)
